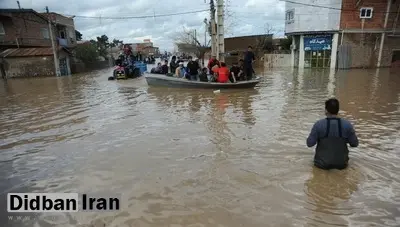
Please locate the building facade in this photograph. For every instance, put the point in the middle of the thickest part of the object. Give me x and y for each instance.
(26, 29)
(343, 33)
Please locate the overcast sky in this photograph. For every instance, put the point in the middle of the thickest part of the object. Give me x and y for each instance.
(244, 17)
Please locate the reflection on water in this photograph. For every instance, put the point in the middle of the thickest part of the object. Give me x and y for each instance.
(194, 158)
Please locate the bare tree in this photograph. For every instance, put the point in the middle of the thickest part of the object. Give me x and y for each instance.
(188, 43)
(264, 42)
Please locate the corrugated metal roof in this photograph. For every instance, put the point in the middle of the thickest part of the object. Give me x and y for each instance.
(26, 52)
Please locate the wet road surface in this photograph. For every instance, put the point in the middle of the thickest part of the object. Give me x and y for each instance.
(194, 158)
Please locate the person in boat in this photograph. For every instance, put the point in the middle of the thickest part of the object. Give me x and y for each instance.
(180, 71)
(249, 59)
(192, 68)
(173, 65)
(203, 75)
(223, 73)
(164, 67)
(157, 69)
(235, 73)
(331, 135)
(212, 62)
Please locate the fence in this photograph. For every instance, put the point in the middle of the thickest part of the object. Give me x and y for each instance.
(277, 60)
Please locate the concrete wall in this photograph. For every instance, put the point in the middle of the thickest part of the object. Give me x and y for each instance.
(241, 43)
(308, 19)
(277, 60)
(29, 66)
(28, 31)
(350, 18)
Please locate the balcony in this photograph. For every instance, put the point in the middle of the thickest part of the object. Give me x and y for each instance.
(69, 43)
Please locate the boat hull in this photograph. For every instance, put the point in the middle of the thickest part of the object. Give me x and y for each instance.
(166, 81)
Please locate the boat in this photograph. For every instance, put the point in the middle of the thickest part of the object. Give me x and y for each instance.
(168, 81)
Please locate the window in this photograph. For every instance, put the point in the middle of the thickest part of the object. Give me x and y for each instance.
(289, 16)
(366, 12)
(45, 33)
(2, 31)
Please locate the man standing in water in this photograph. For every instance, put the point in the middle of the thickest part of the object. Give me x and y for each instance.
(249, 58)
(331, 135)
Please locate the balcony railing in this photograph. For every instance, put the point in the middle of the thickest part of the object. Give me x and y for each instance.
(66, 42)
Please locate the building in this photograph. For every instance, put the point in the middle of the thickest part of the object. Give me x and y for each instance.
(29, 62)
(343, 33)
(26, 28)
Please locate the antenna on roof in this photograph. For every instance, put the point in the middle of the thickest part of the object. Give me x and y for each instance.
(19, 6)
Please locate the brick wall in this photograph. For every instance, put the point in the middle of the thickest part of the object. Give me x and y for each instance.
(350, 17)
(29, 66)
(365, 49)
(27, 27)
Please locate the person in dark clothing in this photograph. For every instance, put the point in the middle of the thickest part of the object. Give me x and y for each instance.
(235, 73)
(193, 68)
(203, 75)
(249, 58)
(173, 65)
(164, 68)
(331, 135)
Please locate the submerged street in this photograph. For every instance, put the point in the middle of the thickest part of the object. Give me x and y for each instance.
(182, 157)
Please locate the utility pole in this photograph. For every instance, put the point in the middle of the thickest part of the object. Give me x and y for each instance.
(56, 65)
(205, 32)
(220, 37)
(213, 30)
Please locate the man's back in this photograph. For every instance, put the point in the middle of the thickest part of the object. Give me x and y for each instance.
(332, 135)
(320, 127)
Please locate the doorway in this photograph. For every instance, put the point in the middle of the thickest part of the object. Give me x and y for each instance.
(317, 58)
(395, 59)
(63, 67)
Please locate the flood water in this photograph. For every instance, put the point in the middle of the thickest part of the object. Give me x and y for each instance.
(192, 158)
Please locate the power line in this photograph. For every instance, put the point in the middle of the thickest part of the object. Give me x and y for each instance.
(140, 17)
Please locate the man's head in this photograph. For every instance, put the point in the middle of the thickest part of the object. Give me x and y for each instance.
(241, 62)
(166, 62)
(213, 57)
(159, 64)
(190, 58)
(223, 64)
(332, 106)
(181, 64)
(249, 48)
(235, 64)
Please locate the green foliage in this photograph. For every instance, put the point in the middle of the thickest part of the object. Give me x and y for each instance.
(101, 43)
(78, 35)
(86, 53)
(116, 42)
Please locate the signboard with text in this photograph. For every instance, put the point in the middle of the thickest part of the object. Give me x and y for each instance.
(318, 42)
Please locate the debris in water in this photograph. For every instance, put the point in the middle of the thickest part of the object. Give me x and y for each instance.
(217, 91)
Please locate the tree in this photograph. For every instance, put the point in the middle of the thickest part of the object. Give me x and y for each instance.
(102, 45)
(78, 35)
(116, 42)
(187, 42)
(264, 42)
(87, 53)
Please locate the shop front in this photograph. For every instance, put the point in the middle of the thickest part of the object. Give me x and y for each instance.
(317, 51)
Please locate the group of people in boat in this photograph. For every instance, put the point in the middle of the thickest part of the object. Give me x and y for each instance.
(214, 72)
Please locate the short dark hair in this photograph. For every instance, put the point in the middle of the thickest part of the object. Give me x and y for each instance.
(189, 57)
(332, 106)
(223, 64)
(241, 60)
(166, 61)
(250, 47)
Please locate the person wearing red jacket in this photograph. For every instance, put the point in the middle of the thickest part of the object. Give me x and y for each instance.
(223, 73)
(211, 63)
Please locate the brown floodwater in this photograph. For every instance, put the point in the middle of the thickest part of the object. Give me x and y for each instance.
(192, 158)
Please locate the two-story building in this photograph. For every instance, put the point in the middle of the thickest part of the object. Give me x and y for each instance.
(25, 43)
(343, 33)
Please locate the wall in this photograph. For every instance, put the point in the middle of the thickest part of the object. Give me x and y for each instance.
(79, 67)
(277, 60)
(308, 19)
(29, 66)
(350, 18)
(241, 43)
(365, 47)
(28, 30)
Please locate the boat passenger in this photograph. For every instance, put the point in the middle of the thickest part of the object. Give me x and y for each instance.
(192, 68)
(331, 136)
(203, 75)
(173, 64)
(234, 73)
(164, 67)
(223, 73)
(157, 69)
(212, 62)
(180, 71)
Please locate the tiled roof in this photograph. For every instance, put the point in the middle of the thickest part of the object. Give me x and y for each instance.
(27, 52)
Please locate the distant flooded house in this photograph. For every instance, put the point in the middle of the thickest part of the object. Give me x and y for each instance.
(344, 33)
(25, 37)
